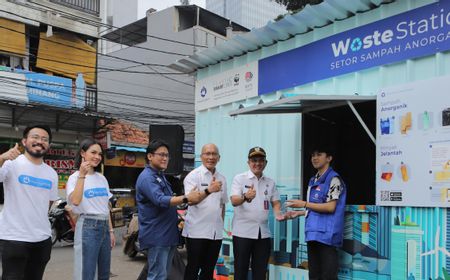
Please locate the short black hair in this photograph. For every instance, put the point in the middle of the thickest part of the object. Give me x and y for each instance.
(327, 149)
(44, 127)
(155, 145)
(84, 146)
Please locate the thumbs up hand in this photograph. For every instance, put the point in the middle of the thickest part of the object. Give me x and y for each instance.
(215, 186)
(251, 193)
(11, 154)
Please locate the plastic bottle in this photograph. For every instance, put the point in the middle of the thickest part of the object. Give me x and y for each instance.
(391, 125)
(404, 172)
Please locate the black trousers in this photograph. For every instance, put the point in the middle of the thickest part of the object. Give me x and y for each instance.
(322, 261)
(25, 260)
(202, 256)
(256, 250)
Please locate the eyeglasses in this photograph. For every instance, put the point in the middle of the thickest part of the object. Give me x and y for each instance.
(163, 155)
(210, 154)
(37, 138)
(257, 160)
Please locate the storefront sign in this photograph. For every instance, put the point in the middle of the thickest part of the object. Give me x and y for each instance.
(125, 159)
(49, 90)
(25, 86)
(63, 161)
(413, 144)
(416, 33)
(226, 87)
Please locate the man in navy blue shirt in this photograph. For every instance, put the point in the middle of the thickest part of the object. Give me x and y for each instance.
(158, 231)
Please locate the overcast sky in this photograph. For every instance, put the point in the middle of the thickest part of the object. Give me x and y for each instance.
(162, 4)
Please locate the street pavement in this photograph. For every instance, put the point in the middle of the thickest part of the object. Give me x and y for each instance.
(122, 266)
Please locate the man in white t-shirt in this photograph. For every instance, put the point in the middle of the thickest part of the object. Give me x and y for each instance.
(30, 187)
(203, 227)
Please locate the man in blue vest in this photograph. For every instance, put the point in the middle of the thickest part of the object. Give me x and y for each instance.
(324, 216)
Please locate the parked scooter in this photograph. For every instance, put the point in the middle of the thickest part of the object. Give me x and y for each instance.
(131, 240)
(62, 222)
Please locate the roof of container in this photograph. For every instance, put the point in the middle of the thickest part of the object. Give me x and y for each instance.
(306, 20)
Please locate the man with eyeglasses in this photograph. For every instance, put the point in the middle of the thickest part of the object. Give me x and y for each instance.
(158, 221)
(251, 194)
(30, 188)
(203, 227)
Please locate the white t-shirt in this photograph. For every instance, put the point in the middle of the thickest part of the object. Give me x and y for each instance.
(204, 220)
(250, 217)
(96, 194)
(29, 188)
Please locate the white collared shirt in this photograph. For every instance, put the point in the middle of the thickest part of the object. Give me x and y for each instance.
(249, 218)
(204, 220)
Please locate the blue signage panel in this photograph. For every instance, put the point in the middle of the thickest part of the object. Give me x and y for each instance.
(50, 90)
(419, 32)
(188, 147)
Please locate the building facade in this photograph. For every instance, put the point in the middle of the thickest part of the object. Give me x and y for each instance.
(249, 13)
(48, 65)
(144, 89)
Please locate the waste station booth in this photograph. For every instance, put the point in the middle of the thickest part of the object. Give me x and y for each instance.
(371, 78)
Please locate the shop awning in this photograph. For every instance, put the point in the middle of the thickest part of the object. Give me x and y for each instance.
(67, 55)
(12, 37)
(307, 103)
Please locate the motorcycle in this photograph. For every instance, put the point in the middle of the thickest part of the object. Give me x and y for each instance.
(62, 222)
(131, 240)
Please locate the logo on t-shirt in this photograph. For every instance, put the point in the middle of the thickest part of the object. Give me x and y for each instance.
(35, 182)
(95, 192)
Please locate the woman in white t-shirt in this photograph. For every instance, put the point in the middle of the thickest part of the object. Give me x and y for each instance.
(88, 193)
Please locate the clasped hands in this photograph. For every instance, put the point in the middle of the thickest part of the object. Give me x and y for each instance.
(292, 203)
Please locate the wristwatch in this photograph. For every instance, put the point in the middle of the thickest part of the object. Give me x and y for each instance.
(185, 199)
(207, 192)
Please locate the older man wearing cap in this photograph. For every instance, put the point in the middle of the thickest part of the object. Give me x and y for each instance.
(251, 193)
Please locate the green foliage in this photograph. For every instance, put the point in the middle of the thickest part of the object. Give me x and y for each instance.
(296, 5)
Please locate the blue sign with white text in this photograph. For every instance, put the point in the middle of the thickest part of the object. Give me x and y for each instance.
(419, 32)
(49, 90)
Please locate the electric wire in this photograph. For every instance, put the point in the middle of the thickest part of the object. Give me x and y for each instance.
(110, 26)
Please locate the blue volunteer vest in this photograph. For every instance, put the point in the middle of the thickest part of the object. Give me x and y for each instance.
(326, 228)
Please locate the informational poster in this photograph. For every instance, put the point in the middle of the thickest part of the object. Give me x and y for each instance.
(413, 144)
(237, 84)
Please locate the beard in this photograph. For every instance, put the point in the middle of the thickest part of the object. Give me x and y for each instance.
(39, 154)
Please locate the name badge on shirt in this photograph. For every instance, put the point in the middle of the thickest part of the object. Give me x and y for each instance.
(266, 204)
(204, 184)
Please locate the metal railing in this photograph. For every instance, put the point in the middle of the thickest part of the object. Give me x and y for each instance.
(88, 6)
(91, 99)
